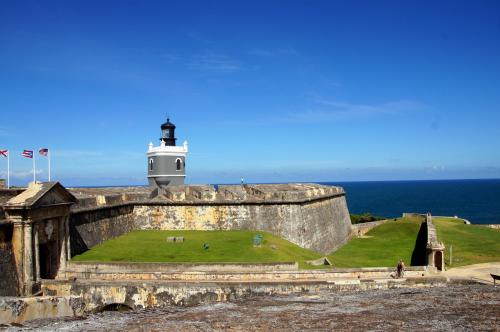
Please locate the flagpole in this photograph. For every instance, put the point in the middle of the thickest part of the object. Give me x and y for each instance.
(8, 169)
(34, 176)
(48, 156)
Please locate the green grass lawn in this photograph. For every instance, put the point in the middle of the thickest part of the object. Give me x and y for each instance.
(382, 246)
(472, 244)
(224, 246)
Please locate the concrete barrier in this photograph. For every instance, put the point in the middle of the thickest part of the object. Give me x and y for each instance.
(84, 268)
(97, 294)
(126, 271)
(21, 309)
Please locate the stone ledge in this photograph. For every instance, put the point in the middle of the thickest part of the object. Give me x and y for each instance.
(97, 294)
(144, 268)
(21, 309)
(161, 272)
(95, 198)
(78, 209)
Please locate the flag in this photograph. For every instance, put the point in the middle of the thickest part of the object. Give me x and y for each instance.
(4, 153)
(27, 153)
(44, 152)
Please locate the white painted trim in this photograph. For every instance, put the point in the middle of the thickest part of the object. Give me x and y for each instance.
(168, 148)
(165, 175)
(165, 153)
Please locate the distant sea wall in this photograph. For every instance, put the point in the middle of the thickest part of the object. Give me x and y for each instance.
(362, 228)
(312, 216)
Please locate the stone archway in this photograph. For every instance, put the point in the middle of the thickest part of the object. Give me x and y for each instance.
(438, 260)
(48, 242)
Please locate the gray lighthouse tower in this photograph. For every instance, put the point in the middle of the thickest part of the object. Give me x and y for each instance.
(167, 162)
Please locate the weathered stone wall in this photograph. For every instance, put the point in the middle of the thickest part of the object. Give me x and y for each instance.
(312, 216)
(252, 272)
(8, 271)
(97, 294)
(326, 224)
(321, 225)
(362, 228)
(21, 309)
(94, 226)
(134, 270)
(494, 226)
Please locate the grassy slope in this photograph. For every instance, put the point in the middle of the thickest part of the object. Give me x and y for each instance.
(225, 246)
(472, 244)
(383, 246)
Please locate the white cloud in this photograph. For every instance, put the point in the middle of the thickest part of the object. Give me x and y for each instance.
(274, 52)
(214, 63)
(327, 110)
(20, 174)
(76, 153)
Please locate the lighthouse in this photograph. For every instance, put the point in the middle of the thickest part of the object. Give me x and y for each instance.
(167, 162)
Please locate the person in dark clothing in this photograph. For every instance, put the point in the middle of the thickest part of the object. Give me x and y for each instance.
(400, 269)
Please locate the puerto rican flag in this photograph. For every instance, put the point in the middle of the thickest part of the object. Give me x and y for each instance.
(27, 153)
(4, 153)
(44, 152)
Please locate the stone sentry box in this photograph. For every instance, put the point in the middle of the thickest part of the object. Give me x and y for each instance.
(40, 232)
(434, 248)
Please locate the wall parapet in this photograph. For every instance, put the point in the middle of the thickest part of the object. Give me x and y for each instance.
(149, 202)
(435, 249)
(105, 272)
(139, 267)
(205, 195)
(361, 229)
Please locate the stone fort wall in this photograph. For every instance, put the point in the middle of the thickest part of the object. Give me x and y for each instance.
(8, 275)
(310, 215)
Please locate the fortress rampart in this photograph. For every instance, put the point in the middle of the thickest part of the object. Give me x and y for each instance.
(309, 215)
(43, 226)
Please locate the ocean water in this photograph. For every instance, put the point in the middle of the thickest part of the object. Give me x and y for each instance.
(475, 200)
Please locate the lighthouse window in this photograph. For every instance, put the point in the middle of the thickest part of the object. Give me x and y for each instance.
(150, 164)
(178, 164)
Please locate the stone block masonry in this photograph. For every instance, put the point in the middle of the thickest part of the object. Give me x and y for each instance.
(90, 228)
(98, 294)
(8, 275)
(42, 226)
(310, 215)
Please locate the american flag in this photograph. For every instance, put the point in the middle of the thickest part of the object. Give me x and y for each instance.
(44, 152)
(4, 153)
(27, 153)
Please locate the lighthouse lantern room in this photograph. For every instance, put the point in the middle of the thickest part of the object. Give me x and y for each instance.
(167, 162)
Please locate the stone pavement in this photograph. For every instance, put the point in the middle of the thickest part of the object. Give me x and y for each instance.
(476, 272)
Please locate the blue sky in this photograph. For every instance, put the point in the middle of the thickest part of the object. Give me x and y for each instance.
(274, 91)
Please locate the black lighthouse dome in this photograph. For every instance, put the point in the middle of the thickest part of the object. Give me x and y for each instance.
(168, 133)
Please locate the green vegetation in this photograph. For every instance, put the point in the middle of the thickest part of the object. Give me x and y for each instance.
(472, 244)
(365, 217)
(382, 246)
(223, 246)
